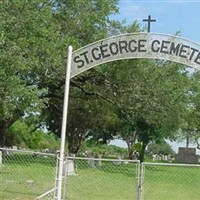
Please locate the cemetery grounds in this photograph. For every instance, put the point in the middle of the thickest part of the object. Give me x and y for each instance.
(25, 176)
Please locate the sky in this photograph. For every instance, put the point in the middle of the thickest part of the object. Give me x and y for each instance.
(171, 17)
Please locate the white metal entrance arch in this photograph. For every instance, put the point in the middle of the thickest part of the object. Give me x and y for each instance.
(128, 46)
(136, 45)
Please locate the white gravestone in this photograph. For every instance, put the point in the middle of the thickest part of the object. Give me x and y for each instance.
(98, 162)
(0, 157)
(91, 162)
(68, 168)
(14, 147)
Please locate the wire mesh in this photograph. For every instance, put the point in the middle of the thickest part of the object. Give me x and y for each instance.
(171, 181)
(25, 175)
(100, 179)
(47, 195)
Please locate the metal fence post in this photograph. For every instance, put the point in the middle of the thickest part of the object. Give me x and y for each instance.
(140, 181)
(64, 124)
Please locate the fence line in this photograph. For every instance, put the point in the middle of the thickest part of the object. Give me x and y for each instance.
(172, 164)
(170, 181)
(29, 175)
(100, 179)
(26, 174)
(27, 151)
(46, 194)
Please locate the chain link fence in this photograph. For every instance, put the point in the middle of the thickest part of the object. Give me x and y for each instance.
(170, 181)
(100, 179)
(27, 175)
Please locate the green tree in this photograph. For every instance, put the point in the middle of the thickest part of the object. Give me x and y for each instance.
(17, 95)
(81, 22)
(35, 35)
(161, 147)
(25, 135)
(18, 135)
(29, 43)
(149, 98)
(189, 130)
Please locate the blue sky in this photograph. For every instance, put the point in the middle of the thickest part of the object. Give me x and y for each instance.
(171, 16)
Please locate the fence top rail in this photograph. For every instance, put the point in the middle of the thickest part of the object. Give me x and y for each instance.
(26, 151)
(102, 159)
(171, 164)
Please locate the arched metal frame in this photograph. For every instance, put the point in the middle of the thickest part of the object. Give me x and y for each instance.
(136, 45)
(128, 46)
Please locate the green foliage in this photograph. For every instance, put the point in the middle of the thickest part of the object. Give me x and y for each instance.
(137, 147)
(34, 37)
(18, 135)
(105, 150)
(160, 148)
(25, 33)
(41, 140)
(23, 136)
(190, 129)
(149, 98)
(135, 100)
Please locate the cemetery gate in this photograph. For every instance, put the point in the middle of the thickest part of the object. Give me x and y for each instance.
(127, 46)
(111, 179)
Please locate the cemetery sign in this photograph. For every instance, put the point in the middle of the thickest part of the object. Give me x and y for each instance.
(128, 46)
(136, 45)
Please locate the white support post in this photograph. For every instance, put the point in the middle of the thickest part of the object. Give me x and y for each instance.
(64, 124)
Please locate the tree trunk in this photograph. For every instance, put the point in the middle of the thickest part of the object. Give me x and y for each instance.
(187, 141)
(3, 131)
(197, 143)
(130, 154)
(75, 141)
(142, 153)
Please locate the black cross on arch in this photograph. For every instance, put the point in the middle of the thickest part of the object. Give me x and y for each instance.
(149, 20)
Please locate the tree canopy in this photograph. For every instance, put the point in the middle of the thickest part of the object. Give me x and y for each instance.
(136, 100)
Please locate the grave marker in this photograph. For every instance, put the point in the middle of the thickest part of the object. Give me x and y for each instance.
(68, 168)
(0, 157)
(186, 155)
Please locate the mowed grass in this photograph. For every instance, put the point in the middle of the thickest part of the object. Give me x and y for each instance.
(172, 182)
(111, 182)
(108, 181)
(27, 180)
(24, 177)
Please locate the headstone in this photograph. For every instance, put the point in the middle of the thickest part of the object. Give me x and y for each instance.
(118, 161)
(91, 158)
(91, 162)
(72, 155)
(0, 157)
(14, 147)
(169, 158)
(68, 168)
(98, 160)
(186, 155)
(154, 157)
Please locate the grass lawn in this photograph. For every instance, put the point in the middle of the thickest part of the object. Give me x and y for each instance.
(23, 177)
(109, 182)
(172, 182)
